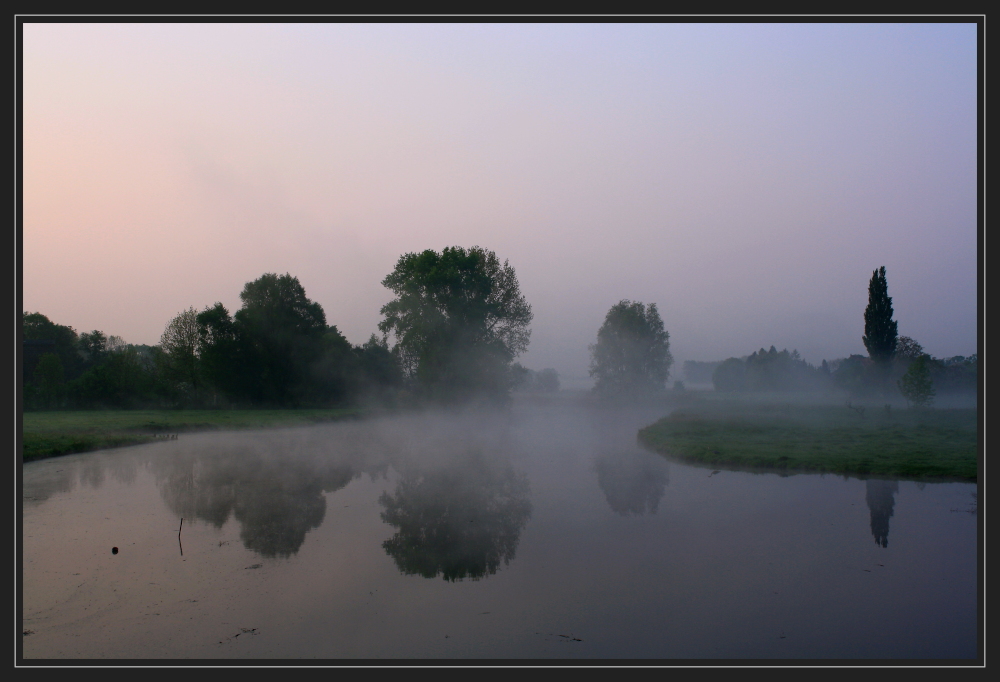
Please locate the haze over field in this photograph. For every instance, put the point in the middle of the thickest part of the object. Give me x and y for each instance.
(747, 178)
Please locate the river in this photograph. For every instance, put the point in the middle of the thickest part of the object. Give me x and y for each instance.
(543, 532)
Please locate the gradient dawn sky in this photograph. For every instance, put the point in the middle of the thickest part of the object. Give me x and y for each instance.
(747, 178)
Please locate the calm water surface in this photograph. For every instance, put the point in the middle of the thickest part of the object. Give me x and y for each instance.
(543, 533)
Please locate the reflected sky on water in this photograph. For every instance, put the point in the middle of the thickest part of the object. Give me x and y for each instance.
(544, 532)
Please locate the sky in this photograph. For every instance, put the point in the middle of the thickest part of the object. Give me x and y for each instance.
(747, 178)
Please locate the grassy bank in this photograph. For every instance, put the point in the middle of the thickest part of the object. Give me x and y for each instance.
(941, 444)
(48, 434)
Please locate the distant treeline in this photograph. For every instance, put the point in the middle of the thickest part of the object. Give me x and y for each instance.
(528, 380)
(699, 372)
(773, 370)
(248, 367)
(458, 320)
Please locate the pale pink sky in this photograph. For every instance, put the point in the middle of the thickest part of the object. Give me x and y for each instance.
(745, 177)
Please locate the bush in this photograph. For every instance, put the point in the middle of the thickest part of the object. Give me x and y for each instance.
(916, 385)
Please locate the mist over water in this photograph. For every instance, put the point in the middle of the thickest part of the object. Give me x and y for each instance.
(541, 531)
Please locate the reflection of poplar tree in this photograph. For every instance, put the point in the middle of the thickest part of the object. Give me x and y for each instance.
(880, 498)
(460, 522)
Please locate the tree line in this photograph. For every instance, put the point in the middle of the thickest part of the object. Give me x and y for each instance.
(632, 357)
(457, 322)
(894, 363)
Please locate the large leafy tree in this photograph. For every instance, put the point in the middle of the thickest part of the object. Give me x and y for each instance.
(908, 349)
(880, 329)
(459, 320)
(268, 351)
(282, 337)
(44, 336)
(94, 347)
(220, 359)
(632, 353)
(180, 343)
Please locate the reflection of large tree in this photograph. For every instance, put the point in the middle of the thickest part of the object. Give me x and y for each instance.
(632, 482)
(49, 481)
(61, 476)
(276, 516)
(880, 498)
(276, 499)
(460, 521)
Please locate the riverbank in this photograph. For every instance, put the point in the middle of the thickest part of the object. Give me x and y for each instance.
(50, 434)
(872, 441)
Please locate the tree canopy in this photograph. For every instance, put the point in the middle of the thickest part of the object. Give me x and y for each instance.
(459, 320)
(730, 375)
(44, 336)
(770, 370)
(916, 385)
(181, 346)
(281, 333)
(880, 329)
(272, 350)
(632, 353)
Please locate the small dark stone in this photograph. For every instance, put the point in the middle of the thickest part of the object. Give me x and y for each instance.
(114, 550)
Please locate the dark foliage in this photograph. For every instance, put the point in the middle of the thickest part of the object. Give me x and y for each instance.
(730, 375)
(530, 381)
(459, 320)
(770, 370)
(880, 329)
(41, 336)
(699, 372)
(632, 355)
(916, 385)
(459, 522)
(853, 374)
(277, 350)
(280, 334)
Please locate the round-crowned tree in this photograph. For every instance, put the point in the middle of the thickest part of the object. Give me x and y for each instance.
(180, 344)
(459, 320)
(632, 355)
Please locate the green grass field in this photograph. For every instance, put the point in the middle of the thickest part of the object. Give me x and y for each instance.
(48, 434)
(929, 444)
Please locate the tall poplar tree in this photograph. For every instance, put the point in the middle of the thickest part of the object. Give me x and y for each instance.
(880, 329)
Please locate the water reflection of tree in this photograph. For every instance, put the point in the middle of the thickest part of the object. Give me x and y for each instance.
(459, 521)
(277, 512)
(63, 475)
(277, 499)
(880, 496)
(633, 482)
(41, 486)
